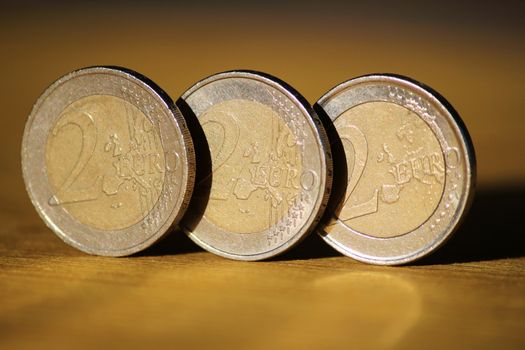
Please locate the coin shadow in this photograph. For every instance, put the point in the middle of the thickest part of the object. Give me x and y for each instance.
(203, 169)
(177, 242)
(339, 169)
(313, 246)
(493, 229)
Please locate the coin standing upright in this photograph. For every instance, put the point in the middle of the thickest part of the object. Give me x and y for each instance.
(108, 160)
(410, 169)
(270, 165)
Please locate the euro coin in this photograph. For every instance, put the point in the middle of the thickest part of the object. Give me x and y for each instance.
(270, 165)
(409, 169)
(107, 160)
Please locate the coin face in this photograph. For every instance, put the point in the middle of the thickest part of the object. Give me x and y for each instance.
(271, 166)
(107, 160)
(410, 169)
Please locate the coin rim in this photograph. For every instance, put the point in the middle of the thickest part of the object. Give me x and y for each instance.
(325, 158)
(464, 140)
(187, 159)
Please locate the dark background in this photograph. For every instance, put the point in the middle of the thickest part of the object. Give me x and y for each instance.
(471, 52)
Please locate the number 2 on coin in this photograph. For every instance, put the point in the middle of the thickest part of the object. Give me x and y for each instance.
(224, 127)
(65, 193)
(351, 134)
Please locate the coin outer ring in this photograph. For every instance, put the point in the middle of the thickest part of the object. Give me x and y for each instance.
(421, 241)
(173, 132)
(325, 157)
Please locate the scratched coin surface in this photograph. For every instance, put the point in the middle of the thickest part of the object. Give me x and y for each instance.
(410, 169)
(270, 165)
(107, 160)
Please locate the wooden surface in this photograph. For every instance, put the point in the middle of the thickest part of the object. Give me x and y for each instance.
(471, 294)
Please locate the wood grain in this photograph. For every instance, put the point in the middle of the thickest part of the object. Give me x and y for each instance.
(471, 294)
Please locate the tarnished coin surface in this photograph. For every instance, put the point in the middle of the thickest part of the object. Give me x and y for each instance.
(107, 160)
(410, 169)
(271, 165)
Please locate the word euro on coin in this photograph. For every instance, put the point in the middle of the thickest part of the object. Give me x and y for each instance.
(271, 165)
(410, 169)
(107, 160)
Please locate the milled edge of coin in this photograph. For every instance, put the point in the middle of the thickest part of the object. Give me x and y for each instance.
(325, 158)
(464, 140)
(179, 123)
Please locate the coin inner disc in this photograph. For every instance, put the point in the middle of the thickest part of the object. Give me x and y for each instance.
(256, 165)
(396, 170)
(105, 162)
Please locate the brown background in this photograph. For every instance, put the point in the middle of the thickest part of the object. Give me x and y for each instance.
(471, 293)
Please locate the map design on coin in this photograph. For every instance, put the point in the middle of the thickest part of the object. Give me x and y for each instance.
(395, 163)
(270, 171)
(105, 158)
(261, 166)
(117, 159)
(410, 169)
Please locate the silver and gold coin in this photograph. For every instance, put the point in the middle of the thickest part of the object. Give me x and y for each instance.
(409, 172)
(270, 165)
(107, 160)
